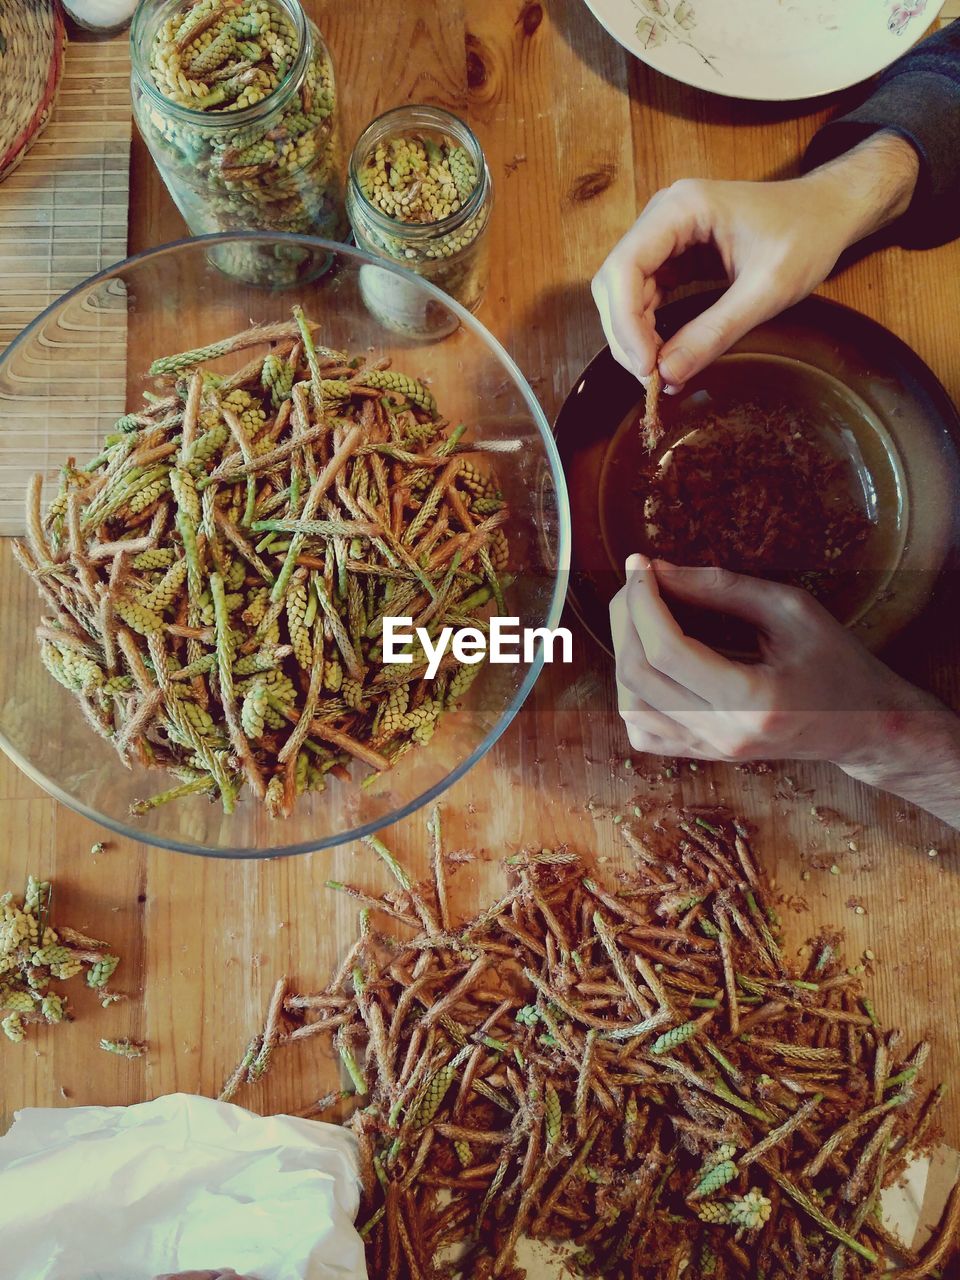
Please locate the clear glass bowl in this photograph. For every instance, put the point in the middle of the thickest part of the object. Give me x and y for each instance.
(79, 366)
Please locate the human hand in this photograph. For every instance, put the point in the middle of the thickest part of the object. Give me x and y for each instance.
(776, 241)
(816, 693)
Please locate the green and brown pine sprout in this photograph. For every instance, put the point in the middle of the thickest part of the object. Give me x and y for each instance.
(565, 1067)
(414, 178)
(229, 629)
(125, 1048)
(35, 954)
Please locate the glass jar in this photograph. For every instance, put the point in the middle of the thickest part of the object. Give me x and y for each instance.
(262, 149)
(450, 251)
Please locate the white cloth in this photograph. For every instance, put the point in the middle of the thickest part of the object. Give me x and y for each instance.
(181, 1183)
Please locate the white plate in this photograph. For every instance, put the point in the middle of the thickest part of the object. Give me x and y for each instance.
(771, 50)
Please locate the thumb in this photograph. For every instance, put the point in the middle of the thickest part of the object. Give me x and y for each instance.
(773, 608)
(745, 304)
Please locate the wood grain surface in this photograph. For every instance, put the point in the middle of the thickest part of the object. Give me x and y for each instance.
(578, 137)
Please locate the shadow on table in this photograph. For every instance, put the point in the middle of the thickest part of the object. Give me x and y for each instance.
(567, 326)
(606, 58)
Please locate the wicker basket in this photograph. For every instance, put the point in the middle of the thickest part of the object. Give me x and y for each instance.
(32, 40)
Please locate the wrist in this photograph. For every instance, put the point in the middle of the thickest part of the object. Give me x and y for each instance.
(913, 752)
(868, 187)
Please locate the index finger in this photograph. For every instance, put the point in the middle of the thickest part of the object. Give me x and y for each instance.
(627, 307)
(666, 227)
(690, 663)
(631, 363)
(626, 643)
(628, 283)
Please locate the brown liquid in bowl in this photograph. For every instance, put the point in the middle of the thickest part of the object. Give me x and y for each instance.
(769, 467)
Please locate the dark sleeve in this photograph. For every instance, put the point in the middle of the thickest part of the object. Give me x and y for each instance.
(918, 97)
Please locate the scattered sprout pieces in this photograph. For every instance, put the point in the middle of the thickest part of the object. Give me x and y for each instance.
(567, 1066)
(125, 1048)
(34, 954)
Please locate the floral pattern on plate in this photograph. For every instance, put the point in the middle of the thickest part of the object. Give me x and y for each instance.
(902, 14)
(669, 20)
(767, 50)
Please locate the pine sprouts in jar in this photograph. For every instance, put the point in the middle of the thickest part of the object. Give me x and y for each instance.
(419, 193)
(237, 104)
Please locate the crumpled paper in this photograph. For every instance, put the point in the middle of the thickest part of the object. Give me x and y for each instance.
(915, 1203)
(181, 1183)
(186, 1183)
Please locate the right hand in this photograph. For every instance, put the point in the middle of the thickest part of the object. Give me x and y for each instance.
(815, 694)
(776, 241)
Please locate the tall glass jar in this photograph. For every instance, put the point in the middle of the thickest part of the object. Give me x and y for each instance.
(450, 250)
(237, 105)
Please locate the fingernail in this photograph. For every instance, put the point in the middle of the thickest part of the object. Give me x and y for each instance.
(636, 563)
(663, 566)
(675, 366)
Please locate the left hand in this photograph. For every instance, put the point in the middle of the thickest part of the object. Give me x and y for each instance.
(775, 242)
(816, 693)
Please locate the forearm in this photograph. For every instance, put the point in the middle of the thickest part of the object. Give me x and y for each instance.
(868, 187)
(916, 756)
(918, 100)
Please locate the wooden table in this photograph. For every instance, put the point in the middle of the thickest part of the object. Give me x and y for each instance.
(578, 137)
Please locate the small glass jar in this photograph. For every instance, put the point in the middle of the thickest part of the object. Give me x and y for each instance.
(450, 252)
(273, 162)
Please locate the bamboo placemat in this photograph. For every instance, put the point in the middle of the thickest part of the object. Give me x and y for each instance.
(63, 217)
